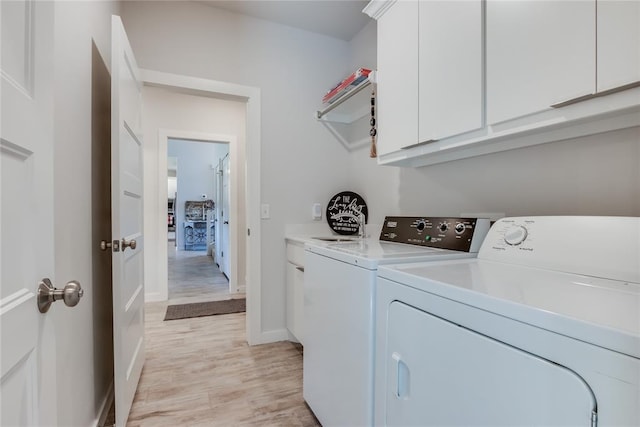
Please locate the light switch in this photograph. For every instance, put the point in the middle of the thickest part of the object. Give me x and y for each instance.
(316, 211)
(264, 211)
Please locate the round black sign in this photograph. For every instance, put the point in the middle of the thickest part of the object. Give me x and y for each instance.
(343, 212)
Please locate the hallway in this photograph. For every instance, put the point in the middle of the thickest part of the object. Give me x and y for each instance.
(195, 277)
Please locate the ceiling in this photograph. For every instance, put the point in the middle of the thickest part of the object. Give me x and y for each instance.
(340, 19)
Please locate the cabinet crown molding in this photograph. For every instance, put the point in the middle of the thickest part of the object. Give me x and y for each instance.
(376, 8)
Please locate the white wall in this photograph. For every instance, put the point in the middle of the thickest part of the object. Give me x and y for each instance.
(363, 47)
(301, 162)
(595, 175)
(84, 350)
(195, 174)
(172, 186)
(166, 109)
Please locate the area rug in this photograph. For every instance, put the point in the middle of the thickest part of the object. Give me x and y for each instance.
(210, 308)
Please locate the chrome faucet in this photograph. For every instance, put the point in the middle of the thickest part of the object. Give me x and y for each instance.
(362, 220)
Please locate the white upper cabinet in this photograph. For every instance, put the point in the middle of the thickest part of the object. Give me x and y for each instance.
(618, 44)
(466, 78)
(397, 77)
(430, 72)
(451, 68)
(539, 53)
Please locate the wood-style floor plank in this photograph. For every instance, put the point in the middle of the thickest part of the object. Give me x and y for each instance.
(194, 277)
(201, 372)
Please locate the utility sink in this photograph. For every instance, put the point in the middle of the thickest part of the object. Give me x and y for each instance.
(335, 239)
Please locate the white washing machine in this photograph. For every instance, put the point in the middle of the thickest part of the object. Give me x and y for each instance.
(339, 300)
(542, 329)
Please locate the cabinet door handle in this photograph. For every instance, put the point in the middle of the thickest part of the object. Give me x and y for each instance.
(300, 269)
(595, 95)
(428, 141)
(571, 101)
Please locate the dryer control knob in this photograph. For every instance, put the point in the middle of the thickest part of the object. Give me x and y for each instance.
(515, 235)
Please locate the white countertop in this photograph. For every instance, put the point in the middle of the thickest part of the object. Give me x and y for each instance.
(308, 233)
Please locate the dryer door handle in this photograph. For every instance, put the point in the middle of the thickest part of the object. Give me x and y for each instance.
(403, 377)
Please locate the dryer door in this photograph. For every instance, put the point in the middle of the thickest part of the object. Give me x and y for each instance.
(439, 373)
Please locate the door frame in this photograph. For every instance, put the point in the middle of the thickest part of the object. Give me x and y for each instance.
(251, 96)
(163, 137)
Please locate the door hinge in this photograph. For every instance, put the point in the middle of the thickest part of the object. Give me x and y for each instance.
(248, 232)
(594, 419)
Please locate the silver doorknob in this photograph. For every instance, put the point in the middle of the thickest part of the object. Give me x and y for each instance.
(128, 244)
(48, 294)
(104, 245)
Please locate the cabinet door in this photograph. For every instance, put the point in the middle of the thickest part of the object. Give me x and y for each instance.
(397, 98)
(298, 304)
(538, 53)
(295, 299)
(618, 43)
(450, 67)
(438, 373)
(290, 295)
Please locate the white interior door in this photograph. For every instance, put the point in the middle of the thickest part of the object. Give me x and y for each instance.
(226, 194)
(28, 358)
(218, 229)
(126, 211)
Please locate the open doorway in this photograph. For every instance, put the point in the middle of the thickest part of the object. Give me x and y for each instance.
(172, 192)
(197, 219)
(168, 112)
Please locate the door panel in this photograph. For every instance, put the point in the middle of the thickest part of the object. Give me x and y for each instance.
(439, 372)
(126, 185)
(397, 76)
(27, 356)
(618, 43)
(450, 73)
(533, 59)
(226, 193)
(218, 228)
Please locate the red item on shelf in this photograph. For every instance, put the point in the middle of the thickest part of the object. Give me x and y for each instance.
(345, 85)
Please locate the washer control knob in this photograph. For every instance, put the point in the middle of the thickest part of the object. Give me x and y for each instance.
(421, 225)
(459, 228)
(515, 235)
(443, 227)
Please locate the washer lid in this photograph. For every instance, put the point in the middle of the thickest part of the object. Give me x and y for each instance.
(368, 253)
(599, 311)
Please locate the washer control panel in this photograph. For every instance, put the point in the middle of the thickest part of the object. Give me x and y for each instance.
(459, 234)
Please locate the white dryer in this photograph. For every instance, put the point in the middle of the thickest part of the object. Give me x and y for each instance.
(339, 301)
(543, 328)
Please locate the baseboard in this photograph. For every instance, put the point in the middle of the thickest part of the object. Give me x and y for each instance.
(267, 337)
(242, 287)
(155, 297)
(105, 406)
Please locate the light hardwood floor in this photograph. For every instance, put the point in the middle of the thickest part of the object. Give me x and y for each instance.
(194, 277)
(201, 372)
